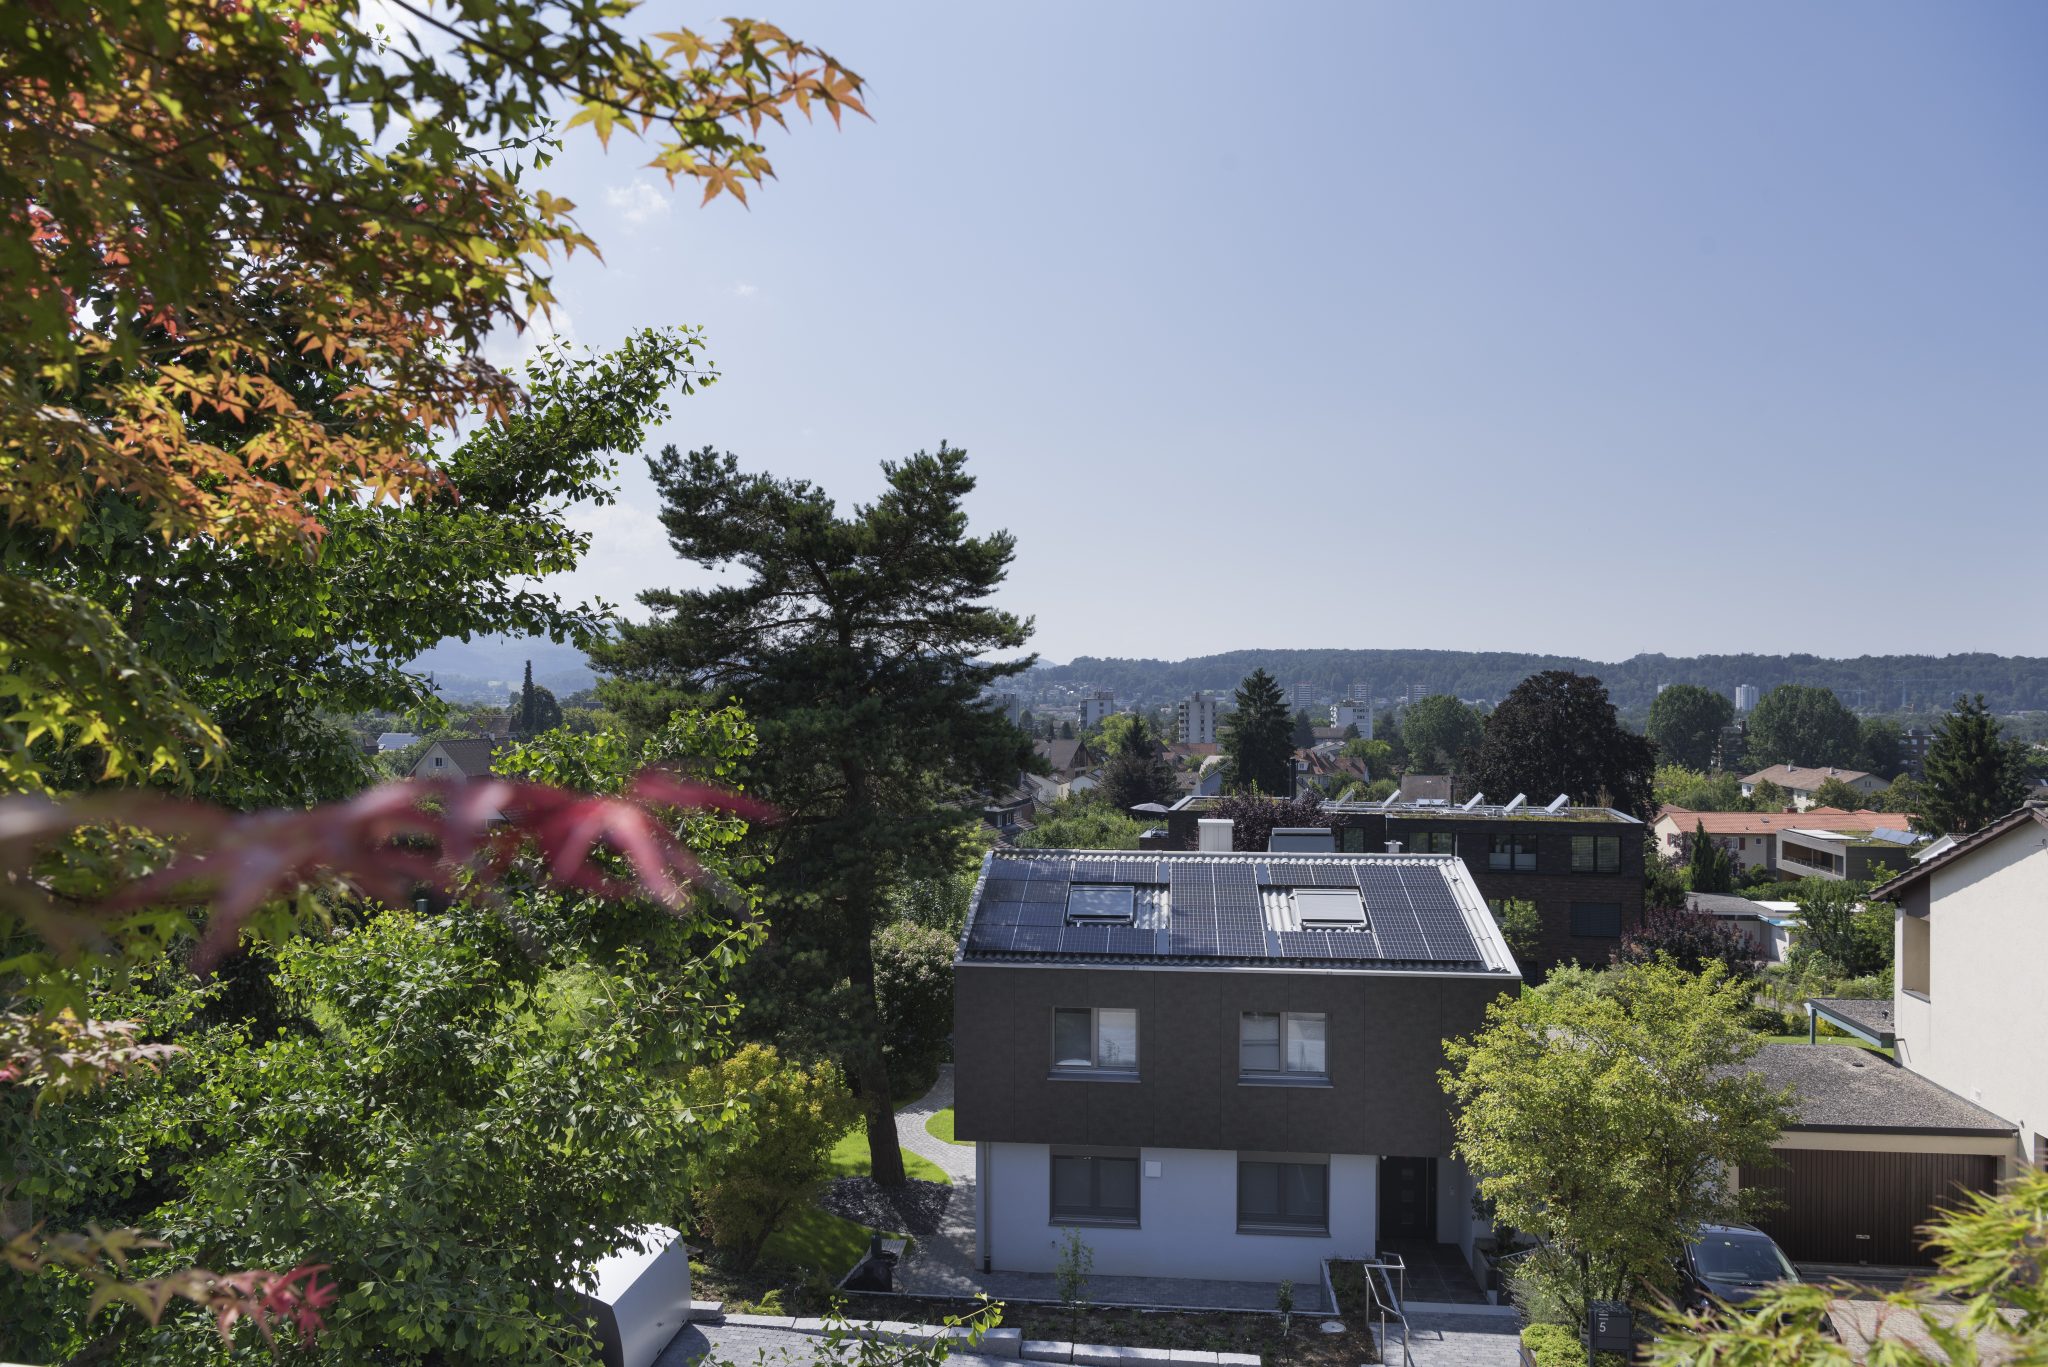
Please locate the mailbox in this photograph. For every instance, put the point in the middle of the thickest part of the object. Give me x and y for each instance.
(1610, 1328)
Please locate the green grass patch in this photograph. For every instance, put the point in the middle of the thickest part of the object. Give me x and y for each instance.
(850, 1159)
(819, 1240)
(1828, 1039)
(939, 1125)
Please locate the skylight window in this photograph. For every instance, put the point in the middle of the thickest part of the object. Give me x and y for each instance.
(1101, 905)
(1329, 909)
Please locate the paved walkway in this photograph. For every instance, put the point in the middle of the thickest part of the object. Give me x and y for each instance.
(1439, 1339)
(943, 1264)
(748, 1345)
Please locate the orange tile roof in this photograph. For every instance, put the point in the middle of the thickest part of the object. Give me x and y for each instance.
(1764, 823)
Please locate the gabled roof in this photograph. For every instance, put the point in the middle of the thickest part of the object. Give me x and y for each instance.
(1803, 777)
(472, 757)
(2024, 818)
(1422, 913)
(1065, 754)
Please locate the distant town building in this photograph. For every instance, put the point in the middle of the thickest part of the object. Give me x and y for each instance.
(1360, 693)
(1194, 720)
(395, 740)
(1352, 712)
(1415, 693)
(1913, 743)
(1745, 697)
(1009, 705)
(1095, 709)
(1304, 693)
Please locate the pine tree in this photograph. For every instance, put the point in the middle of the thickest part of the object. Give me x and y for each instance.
(1304, 730)
(1138, 771)
(861, 644)
(1973, 774)
(527, 716)
(1260, 744)
(1712, 869)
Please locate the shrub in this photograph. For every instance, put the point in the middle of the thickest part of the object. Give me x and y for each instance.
(1252, 818)
(1553, 1345)
(1692, 940)
(1521, 925)
(914, 980)
(777, 1152)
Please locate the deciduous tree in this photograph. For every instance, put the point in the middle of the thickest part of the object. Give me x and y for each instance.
(1439, 731)
(1796, 724)
(1604, 1118)
(863, 643)
(1253, 816)
(1686, 723)
(1558, 733)
(1832, 792)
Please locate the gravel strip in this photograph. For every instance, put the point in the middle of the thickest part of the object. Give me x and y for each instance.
(919, 1208)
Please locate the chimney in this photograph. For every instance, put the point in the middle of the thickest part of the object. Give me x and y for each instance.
(1393, 847)
(1216, 835)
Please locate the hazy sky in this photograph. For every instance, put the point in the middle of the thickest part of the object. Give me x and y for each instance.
(1592, 328)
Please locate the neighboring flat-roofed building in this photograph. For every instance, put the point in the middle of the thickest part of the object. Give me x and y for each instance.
(1217, 1066)
(1751, 838)
(1855, 856)
(1581, 866)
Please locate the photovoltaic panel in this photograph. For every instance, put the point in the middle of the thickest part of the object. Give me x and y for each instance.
(1312, 876)
(1045, 890)
(1264, 871)
(1038, 939)
(1391, 912)
(1128, 940)
(1304, 944)
(1140, 872)
(1003, 890)
(1095, 871)
(1191, 893)
(1050, 870)
(1002, 913)
(1091, 940)
(991, 938)
(1240, 920)
(1442, 923)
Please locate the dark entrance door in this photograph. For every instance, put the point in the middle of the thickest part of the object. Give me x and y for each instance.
(1408, 1199)
(1831, 1206)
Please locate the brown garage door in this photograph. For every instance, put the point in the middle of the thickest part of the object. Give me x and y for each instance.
(1835, 1207)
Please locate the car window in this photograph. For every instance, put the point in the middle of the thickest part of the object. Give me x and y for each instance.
(1740, 1256)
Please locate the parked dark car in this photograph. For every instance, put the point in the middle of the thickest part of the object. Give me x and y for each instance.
(1731, 1264)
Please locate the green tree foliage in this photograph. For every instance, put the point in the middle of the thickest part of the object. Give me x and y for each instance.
(775, 1150)
(1883, 748)
(1258, 746)
(1905, 796)
(1387, 730)
(1108, 737)
(1832, 792)
(1767, 796)
(914, 982)
(1709, 868)
(534, 708)
(459, 1111)
(1686, 722)
(1986, 1301)
(1376, 755)
(1439, 731)
(1972, 774)
(1304, 733)
(1558, 733)
(272, 650)
(1603, 1114)
(1797, 724)
(1067, 730)
(863, 644)
(1851, 935)
(1137, 771)
(1521, 925)
(1674, 785)
(1083, 822)
(1252, 817)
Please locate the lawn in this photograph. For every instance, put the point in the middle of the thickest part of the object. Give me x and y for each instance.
(940, 1126)
(850, 1159)
(819, 1240)
(1829, 1039)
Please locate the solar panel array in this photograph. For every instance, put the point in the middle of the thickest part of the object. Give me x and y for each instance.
(1215, 911)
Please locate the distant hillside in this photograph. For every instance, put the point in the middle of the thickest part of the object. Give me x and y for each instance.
(487, 668)
(1877, 683)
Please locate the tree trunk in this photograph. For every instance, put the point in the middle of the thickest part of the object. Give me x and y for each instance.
(872, 1073)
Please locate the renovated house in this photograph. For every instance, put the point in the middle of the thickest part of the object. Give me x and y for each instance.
(1581, 866)
(1800, 784)
(1754, 839)
(1216, 1065)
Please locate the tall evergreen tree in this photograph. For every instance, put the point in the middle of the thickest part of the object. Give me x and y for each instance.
(529, 716)
(1712, 868)
(1973, 775)
(1260, 744)
(1558, 733)
(1304, 730)
(1138, 770)
(862, 645)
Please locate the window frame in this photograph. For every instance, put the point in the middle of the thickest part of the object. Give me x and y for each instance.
(1095, 1218)
(1572, 921)
(1095, 1067)
(1598, 846)
(1284, 1074)
(1512, 844)
(1412, 840)
(1301, 1228)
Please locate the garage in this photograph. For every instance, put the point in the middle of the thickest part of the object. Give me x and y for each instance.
(1874, 1152)
(1837, 1206)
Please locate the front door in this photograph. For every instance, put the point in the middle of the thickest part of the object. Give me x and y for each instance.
(1408, 1199)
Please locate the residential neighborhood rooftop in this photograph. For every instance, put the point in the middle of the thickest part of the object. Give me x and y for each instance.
(1477, 808)
(1842, 1087)
(1803, 777)
(1379, 912)
(1828, 819)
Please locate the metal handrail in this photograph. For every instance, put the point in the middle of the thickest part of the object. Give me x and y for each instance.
(1392, 1263)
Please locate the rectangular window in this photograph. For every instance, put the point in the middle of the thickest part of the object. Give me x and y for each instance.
(1425, 842)
(1512, 853)
(1597, 920)
(1101, 906)
(1102, 1038)
(1329, 909)
(1596, 854)
(1093, 1189)
(1351, 840)
(1283, 1198)
(1283, 1044)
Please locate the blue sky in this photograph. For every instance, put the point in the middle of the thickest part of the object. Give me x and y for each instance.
(1589, 328)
